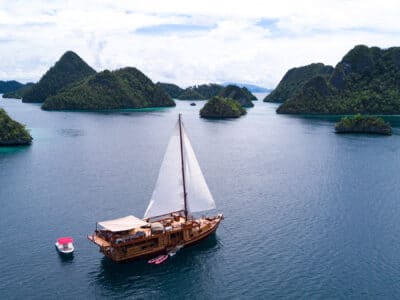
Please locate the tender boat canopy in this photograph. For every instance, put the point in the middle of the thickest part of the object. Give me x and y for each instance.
(122, 224)
(64, 240)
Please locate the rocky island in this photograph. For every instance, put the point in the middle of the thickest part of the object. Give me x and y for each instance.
(200, 92)
(239, 94)
(68, 69)
(365, 81)
(120, 89)
(294, 80)
(207, 91)
(171, 89)
(20, 92)
(363, 124)
(249, 94)
(12, 133)
(190, 93)
(71, 84)
(9, 86)
(219, 107)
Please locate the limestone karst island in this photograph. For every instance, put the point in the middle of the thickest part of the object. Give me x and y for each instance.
(365, 81)
(363, 124)
(219, 107)
(12, 133)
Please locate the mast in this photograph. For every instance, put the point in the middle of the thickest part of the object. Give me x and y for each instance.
(183, 168)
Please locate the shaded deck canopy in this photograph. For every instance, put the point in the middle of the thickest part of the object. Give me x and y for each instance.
(122, 224)
(65, 240)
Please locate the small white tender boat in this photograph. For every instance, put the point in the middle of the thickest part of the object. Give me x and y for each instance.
(64, 245)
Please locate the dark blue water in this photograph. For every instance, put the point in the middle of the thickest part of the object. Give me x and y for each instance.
(309, 214)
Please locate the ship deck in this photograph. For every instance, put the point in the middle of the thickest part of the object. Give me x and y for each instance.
(170, 224)
(98, 241)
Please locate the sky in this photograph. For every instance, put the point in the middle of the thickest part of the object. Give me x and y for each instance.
(191, 42)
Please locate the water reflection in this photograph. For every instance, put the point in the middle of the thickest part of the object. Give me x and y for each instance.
(66, 258)
(13, 149)
(188, 264)
(70, 132)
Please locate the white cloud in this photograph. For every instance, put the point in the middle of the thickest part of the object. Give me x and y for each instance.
(229, 47)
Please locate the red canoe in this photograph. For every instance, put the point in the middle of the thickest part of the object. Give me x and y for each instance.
(158, 260)
(161, 259)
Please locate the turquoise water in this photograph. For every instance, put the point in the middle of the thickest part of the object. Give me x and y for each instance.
(309, 214)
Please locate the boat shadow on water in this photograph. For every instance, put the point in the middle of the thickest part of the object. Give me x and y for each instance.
(66, 258)
(113, 275)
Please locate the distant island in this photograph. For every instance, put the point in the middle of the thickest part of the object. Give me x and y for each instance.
(171, 89)
(251, 87)
(219, 107)
(241, 95)
(18, 94)
(200, 92)
(205, 92)
(71, 84)
(248, 94)
(294, 80)
(123, 88)
(365, 81)
(208, 90)
(12, 133)
(191, 93)
(9, 86)
(363, 124)
(68, 69)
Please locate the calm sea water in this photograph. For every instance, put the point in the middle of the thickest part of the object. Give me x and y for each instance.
(309, 214)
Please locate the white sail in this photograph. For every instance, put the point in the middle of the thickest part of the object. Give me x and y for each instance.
(199, 197)
(168, 193)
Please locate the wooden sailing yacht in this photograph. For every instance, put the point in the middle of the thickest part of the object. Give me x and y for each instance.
(168, 223)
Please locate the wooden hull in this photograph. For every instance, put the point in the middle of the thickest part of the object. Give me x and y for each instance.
(186, 234)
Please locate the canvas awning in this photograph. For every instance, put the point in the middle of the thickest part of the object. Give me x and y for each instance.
(65, 240)
(122, 224)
